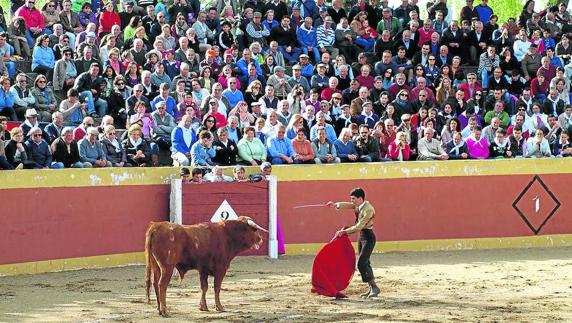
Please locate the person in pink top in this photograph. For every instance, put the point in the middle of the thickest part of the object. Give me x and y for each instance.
(145, 120)
(35, 23)
(425, 32)
(477, 146)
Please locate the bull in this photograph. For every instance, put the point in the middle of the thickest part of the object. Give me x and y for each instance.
(207, 247)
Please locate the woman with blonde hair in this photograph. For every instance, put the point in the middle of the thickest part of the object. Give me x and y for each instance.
(112, 149)
(399, 148)
(137, 150)
(253, 92)
(444, 91)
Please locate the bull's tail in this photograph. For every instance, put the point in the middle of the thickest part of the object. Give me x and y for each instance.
(149, 259)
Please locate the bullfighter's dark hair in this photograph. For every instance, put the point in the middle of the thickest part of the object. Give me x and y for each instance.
(358, 192)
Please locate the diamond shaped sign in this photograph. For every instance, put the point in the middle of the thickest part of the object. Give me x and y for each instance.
(536, 204)
(224, 212)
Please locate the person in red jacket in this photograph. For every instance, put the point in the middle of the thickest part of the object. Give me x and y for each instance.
(471, 86)
(107, 20)
(399, 148)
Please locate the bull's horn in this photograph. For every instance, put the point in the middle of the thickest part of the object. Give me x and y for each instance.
(256, 226)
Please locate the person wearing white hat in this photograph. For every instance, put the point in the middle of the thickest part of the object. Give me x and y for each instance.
(327, 37)
(31, 122)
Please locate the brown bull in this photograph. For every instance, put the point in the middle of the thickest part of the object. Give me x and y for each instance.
(206, 247)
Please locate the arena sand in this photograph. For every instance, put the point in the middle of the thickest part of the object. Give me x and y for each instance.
(527, 285)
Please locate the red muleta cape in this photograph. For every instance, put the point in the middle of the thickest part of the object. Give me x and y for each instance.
(334, 268)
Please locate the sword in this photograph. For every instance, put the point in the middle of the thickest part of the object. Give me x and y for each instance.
(309, 205)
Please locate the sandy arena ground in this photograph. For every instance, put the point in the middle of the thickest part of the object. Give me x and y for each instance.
(533, 285)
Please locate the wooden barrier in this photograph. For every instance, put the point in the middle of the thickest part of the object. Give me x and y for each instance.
(58, 220)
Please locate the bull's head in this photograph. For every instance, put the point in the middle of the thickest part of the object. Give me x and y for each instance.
(249, 234)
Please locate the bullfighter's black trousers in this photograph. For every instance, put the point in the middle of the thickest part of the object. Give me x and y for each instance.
(366, 244)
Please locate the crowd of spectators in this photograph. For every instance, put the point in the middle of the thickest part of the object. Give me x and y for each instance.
(301, 82)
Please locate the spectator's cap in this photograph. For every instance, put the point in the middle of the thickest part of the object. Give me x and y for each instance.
(323, 9)
(386, 9)
(211, 53)
(265, 165)
(329, 19)
(533, 45)
(321, 65)
(405, 116)
(362, 54)
(255, 104)
(153, 52)
(297, 67)
(160, 104)
(31, 113)
(90, 34)
(325, 102)
(185, 172)
(279, 69)
(305, 56)
(213, 100)
(92, 131)
(366, 103)
(296, 7)
(257, 15)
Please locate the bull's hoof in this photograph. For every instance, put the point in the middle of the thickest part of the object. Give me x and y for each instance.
(204, 308)
(163, 313)
(220, 308)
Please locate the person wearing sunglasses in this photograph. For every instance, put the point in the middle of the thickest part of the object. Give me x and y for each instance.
(38, 151)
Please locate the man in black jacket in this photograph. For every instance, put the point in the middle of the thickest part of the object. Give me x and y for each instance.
(65, 150)
(88, 85)
(286, 37)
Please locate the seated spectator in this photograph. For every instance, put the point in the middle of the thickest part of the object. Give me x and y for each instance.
(561, 147)
(251, 150)
(113, 151)
(216, 176)
(477, 145)
(517, 142)
(457, 147)
(30, 122)
(399, 149)
(183, 138)
(345, 147)
(489, 132)
(538, 146)
(43, 58)
(46, 102)
(499, 113)
(90, 151)
(429, 148)
(38, 151)
(16, 150)
(6, 56)
(88, 86)
(239, 174)
(321, 123)
(65, 71)
(163, 126)
(17, 32)
(169, 103)
(500, 146)
(367, 116)
(304, 154)
(324, 149)
(280, 148)
(65, 150)
(225, 148)
(136, 148)
(367, 146)
(203, 151)
(54, 129)
(7, 99)
(23, 98)
(213, 112)
(144, 119)
(4, 164)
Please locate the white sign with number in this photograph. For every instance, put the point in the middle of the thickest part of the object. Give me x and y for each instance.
(224, 212)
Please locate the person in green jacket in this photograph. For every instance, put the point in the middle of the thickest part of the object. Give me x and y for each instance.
(250, 149)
